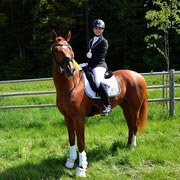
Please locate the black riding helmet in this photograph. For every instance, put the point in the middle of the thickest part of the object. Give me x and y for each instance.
(98, 23)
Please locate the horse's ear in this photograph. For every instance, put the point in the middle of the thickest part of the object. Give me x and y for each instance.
(53, 35)
(68, 36)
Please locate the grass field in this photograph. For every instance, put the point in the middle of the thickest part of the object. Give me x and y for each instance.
(34, 142)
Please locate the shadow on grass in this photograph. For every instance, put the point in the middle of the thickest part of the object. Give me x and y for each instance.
(53, 168)
(47, 169)
(102, 151)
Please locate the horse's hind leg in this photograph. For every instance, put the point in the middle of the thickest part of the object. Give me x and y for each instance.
(131, 119)
(138, 112)
(72, 149)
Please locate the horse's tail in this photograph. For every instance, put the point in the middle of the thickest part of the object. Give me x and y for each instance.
(143, 115)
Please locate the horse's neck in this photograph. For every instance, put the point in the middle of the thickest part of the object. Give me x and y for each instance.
(64, 84)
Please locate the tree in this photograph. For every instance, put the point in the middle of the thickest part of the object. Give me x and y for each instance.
(164, 18)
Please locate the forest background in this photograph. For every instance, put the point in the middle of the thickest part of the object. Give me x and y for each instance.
(25, 34)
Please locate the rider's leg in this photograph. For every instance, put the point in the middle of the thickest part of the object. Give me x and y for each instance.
(99, 77)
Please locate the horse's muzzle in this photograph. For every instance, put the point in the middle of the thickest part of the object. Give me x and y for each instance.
(69, 72)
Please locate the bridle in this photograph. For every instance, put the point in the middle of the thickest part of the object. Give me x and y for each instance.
(60, 65)
(65, 60)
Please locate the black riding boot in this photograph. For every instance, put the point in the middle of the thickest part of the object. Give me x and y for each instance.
(105, 99)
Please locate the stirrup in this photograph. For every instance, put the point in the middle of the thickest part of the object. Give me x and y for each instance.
(106, 111)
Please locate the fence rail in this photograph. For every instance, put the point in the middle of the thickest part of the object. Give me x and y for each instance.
(27, 93)
(25, 80)
(171, 87)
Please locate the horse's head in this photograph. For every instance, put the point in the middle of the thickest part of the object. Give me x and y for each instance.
(62, 53)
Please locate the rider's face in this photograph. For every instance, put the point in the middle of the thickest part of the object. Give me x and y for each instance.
(98, 31)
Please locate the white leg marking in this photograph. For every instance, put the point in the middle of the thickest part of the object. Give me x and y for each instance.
(133, 141)
(72, 157)
(81, 171)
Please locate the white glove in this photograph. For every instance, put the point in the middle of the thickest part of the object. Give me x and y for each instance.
(83, 64)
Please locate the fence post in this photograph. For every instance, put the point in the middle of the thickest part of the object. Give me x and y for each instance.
(163, 82)
(171, 91)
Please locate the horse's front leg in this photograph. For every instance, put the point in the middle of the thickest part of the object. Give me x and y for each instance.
(72, 150)
(79, 124)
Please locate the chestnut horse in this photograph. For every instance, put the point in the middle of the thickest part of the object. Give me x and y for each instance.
(75, 105)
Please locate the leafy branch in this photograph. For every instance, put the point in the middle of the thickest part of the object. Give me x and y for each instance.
(164, 17)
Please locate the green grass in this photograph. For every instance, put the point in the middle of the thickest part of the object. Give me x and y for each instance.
(34, 142)
(158, 79)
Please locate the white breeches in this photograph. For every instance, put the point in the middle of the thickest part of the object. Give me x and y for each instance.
(98, 75)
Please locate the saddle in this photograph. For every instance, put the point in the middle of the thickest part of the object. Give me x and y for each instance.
(110, 83)
(90, 88)
(90, 77)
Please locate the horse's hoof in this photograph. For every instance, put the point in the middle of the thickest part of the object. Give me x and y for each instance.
(132, 147)
(81, 172)
(69, 164)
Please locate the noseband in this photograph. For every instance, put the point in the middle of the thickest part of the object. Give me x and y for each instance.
(65, 60)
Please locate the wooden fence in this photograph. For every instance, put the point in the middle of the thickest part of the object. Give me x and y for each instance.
(170, 99)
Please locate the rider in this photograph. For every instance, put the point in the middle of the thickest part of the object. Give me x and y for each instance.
(97, 50)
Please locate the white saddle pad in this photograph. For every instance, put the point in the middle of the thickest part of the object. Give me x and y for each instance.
(111, 84)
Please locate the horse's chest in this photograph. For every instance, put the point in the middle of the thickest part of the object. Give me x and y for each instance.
(67, 102)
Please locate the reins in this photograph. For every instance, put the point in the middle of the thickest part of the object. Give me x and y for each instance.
(80, 74)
